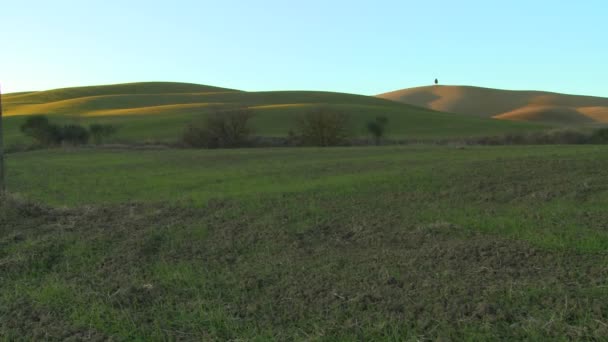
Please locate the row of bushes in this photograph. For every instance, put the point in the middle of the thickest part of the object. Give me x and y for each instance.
(231, 128)
(327, 127)
(47, 134)
(552, 137)
(320, 127)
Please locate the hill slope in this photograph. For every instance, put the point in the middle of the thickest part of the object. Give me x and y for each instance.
(159, 111)
(112, 89)
(533, 106)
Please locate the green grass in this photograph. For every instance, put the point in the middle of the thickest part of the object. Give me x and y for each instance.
(512, 179)
(391, 243)
(158, 112)
(113, 89)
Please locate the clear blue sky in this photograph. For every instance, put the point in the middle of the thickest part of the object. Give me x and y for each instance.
(364, 47)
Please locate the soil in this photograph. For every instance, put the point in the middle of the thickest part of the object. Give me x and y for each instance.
(437, 280)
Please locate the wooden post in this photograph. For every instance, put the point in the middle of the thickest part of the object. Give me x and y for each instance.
(2, 167)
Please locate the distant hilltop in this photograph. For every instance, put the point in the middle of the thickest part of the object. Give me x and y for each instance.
(533, 106)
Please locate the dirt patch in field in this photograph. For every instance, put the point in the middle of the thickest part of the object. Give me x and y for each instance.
(333, 279)
(30, 322)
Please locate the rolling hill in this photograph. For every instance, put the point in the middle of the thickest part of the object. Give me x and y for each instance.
(532, 106)
(159, 111)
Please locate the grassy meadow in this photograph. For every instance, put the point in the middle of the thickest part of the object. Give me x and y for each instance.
(158, 112)
(376, 243)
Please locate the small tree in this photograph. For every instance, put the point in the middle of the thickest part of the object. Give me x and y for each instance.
(41, 130)
(377, 128)
(323, 127)
(195, 135)
(599, 136)
(221, 129)
(100, 132)
(74, 135)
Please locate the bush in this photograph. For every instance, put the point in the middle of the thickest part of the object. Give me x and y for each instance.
(47, 134)
(600, 136)
(100, 132)
(553, 137)
(221, 129)
(41, 130)
(377, 128)
(74, 135)
(323, 127)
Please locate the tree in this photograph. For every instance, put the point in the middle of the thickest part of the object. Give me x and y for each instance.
(41, 130)
(600, 136)
(101, 132)
(74, 135)
(377, 128)
(323, 127)
(221, 129)
(47, 134)
(436, 81)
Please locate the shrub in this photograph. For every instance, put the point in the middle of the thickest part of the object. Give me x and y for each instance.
(600, 136)
(195, 135)
(100, 132)
(41, 130)
(323, 127)
(221, 129)
(561, 136)
(74, 135)
(377, 128)
(555, 137)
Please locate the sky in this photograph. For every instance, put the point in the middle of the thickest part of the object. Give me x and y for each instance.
(363, 47)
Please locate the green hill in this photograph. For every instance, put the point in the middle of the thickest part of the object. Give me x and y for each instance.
(113, 89)
(159, 111)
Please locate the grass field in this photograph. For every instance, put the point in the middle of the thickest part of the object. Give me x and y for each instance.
(392, 243)
(158, 112)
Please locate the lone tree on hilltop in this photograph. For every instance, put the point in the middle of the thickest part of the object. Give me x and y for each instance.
(436, 81)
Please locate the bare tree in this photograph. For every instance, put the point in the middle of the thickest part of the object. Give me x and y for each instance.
(323, 126)
(220, 129)
(100, 132)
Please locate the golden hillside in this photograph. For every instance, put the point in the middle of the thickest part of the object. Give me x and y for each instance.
(534, 106)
